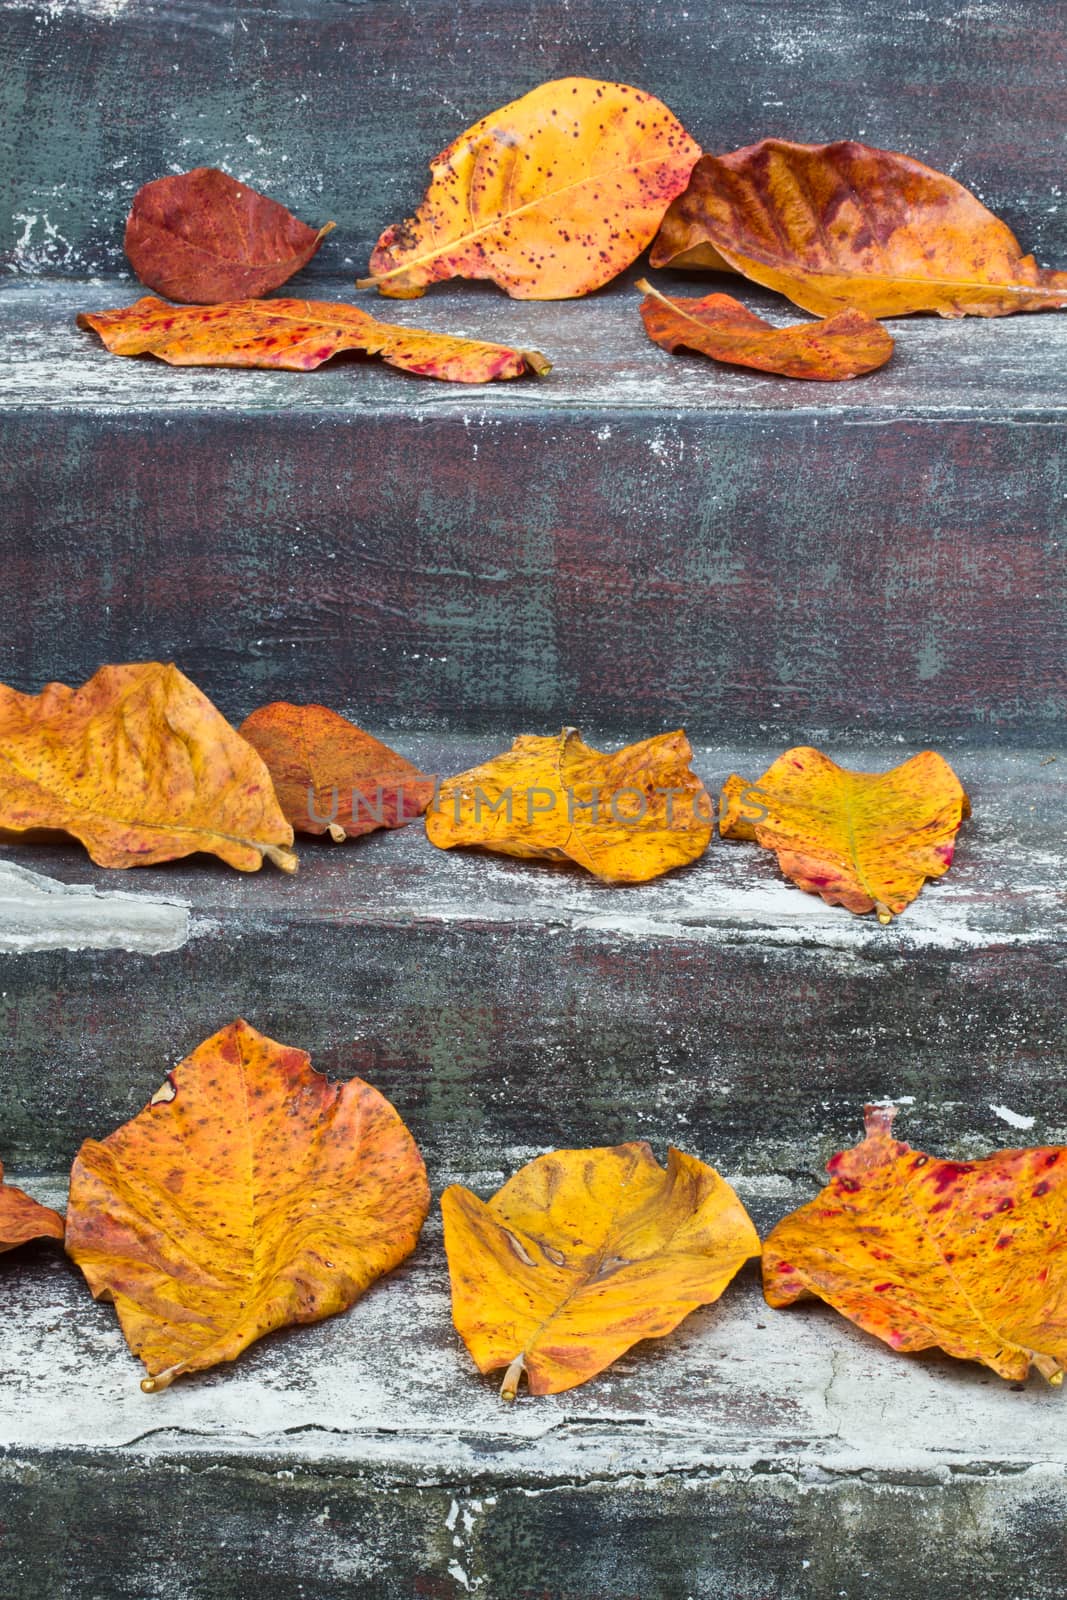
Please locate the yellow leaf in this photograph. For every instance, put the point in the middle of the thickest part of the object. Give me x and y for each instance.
(626, 817)
(864, 840)
(584, 1252)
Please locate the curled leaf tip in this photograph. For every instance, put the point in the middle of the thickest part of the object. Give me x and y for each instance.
(878, 1119)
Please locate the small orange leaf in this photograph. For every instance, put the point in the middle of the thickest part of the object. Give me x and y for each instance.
(833, 226)
(583, 1253)
(864, 840)
(251, 1193)
(721, 327)
(22, 1218)
(550, 197)
(201, 236)
(297, 336)
(963, 1255)
(140, 767)
(330, 776)
(626, 817)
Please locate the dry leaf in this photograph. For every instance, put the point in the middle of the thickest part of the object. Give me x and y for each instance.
(23, 1219)
(833, 226)
(201, 236)
(584, 1252)
(550, 197)
(964, 1255)
(626, 817)
(251, 1193)
(722, 328)
(140, 767)
(297, 335)
(864, 840)
(330, 776)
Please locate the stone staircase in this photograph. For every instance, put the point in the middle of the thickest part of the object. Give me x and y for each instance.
(632, 544)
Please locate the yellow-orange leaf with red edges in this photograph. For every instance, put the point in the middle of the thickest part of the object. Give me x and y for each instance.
(23, 1218)
(721, 327)
(140, 767)
(251, 1193)
(549, 197)
(330, 776)
(964, 1255)
(833, 226)
(864, 840)
(625, 816)
(583, 1253)
(297, 336)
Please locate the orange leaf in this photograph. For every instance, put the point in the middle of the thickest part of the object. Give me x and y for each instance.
(331, 776)
(550, 197)
(864, 840)
(722, 328)
(297, 335)
(838, 225)
(249, 1194)
(583, 1253)
(22, 1218)
(964, 1255)
(140, 767)
(202, 236)
(626, 817)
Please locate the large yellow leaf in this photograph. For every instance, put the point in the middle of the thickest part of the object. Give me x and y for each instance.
(550, 197)
(584, 1252)
(864, 840)
(251, 1193)
(834, 226)
(627, 816)
(140, 767)
(965, 1255)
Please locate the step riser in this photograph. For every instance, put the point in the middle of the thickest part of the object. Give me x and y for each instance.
(732, 574)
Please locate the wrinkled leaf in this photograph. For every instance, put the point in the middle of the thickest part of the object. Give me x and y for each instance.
(584, 1252)
(549, 197)
(23, 1219)
(297, 335)
(722, 328)
(201, 236)
(139, 766)
(251, 1193)
(626, 817)
(864, 840)
(963, 1255)
(833, 226)
(330, 776)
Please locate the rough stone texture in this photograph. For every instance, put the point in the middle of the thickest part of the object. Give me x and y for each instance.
(505, 1004)
(642, 537)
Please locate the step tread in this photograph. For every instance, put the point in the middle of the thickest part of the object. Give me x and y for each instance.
(1006, 885)
(1007, 369)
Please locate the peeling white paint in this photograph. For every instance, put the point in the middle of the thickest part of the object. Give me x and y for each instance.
(1014, 1119)
(39, 913)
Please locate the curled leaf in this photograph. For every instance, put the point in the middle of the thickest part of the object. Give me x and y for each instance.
(201, 236)
(583, 1253)
(549, 197)
(23, 1218)
(330, 776)
(297, 335)
(140, 767)
(626, 817)
(248, 1195)
(833, 226)
(720, 327)
(864, 840)
(963, 1255)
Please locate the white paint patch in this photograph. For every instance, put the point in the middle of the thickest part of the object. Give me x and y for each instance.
(1014, 1119)
(39, 913)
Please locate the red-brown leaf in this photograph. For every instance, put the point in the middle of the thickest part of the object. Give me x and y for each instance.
(22, 1218)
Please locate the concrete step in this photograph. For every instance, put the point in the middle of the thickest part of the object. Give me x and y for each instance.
(752, 1453)
(639, 536)
(337, 108)
(510, 1006)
